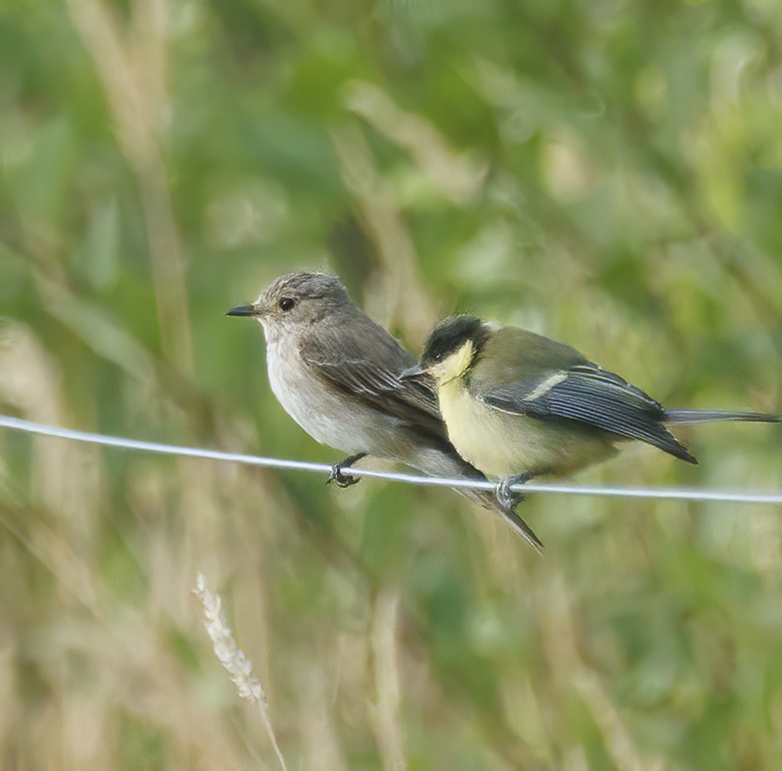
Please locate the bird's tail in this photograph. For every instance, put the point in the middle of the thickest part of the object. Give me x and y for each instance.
(682, 417)
(488, 499)
(446, 462)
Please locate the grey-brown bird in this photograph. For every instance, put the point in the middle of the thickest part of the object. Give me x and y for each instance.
(337, 374)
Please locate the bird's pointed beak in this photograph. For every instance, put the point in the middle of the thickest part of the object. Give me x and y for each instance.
(416, 372)
(243, 310)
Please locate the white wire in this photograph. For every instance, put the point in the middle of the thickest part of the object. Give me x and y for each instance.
(677, 493)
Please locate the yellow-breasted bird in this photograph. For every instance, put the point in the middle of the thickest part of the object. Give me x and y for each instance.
(518, 405)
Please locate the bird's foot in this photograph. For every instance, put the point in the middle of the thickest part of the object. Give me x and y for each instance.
(337, 471)
(507, 497)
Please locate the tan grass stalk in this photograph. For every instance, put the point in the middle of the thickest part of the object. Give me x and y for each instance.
(232, 658)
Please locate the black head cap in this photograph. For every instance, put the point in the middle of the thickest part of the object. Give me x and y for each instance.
(450, 335)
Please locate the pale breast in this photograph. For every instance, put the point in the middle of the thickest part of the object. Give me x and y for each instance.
(326, 414)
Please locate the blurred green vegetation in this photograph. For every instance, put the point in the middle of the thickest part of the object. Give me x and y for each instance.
(607, 173)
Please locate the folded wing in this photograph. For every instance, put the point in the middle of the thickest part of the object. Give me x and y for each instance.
(595, 397)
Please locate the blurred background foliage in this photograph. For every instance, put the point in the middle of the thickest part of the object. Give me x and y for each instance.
(605, 172)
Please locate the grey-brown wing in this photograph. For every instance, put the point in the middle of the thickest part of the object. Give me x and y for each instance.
(364, 362)
(593, 396)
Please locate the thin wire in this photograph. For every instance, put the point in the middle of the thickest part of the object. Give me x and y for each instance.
(677, 493)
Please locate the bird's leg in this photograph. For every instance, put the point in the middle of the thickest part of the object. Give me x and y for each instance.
(344, 480)
(508, 497)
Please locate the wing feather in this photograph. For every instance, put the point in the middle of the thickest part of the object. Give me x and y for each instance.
(364, 362)
(588, 394)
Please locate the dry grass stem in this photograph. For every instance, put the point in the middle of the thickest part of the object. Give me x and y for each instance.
(234, 659)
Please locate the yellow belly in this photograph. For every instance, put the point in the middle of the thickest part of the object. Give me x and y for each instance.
(501, 444)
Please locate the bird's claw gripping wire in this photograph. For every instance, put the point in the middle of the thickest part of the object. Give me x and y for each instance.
(337, 474)
(507, 497)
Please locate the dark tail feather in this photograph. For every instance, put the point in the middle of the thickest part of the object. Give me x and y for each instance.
(488, 499)
(710, 416)
(447, 462)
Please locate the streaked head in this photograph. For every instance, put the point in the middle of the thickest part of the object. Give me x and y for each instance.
(453, 347)
(296, 299)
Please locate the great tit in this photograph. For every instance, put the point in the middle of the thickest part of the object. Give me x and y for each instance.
(518, 405)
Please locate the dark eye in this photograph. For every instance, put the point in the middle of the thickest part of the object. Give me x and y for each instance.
(286, 303)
